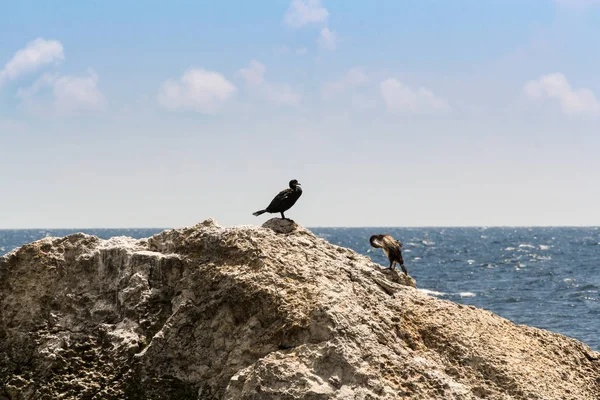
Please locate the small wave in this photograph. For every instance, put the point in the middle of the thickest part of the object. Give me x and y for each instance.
(526, 246)
(427, 243)
(544, 247)
(510, 249)
(589, 241)
(590, 287)
(470, 262)
(432, 292)
(416, 258)
(436, 293)
(571, 282)
(512, 300)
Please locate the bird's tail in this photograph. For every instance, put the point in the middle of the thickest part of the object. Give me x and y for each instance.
(259, 212)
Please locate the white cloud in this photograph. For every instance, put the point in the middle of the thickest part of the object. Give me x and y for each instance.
(70, 94)
(327, 39)
(44, 81)
(78, 93)
(36, 54)
(254, 75)
(276, 93)
(197, 90)
(301, 51)
(400, 98)
(302, 12)
(557, 87)
(354, 78)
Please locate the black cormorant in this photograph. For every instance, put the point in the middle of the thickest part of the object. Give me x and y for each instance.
(284, 200)
(392, 249)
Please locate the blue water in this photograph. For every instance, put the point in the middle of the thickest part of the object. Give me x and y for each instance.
(543, 277)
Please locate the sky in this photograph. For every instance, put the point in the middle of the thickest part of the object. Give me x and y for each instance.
(389, 113)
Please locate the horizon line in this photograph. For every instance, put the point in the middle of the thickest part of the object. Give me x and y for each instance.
(323, 227)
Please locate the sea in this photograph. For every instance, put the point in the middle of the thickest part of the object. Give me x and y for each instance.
(547, 277)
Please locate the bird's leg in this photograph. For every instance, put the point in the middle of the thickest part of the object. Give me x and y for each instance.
(391, 265)
(283, 216)
(404, 269)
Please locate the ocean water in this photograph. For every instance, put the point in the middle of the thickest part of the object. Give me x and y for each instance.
(543, 277)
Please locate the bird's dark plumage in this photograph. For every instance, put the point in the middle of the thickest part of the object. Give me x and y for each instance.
(392, 249)
(284, 200)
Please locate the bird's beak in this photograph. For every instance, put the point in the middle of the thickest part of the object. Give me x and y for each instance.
(297, 184)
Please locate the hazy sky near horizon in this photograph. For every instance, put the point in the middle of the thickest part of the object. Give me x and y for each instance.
(390, 113)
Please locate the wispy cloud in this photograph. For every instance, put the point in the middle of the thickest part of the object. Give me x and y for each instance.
(327, 39)
(196, 90)
(36, 54)
(355, 77)
(254, 74)
(302, 12)
(78, 93)
(557, 87)
(400, 98)
(43, 82)
(276, 93)
(70, 94)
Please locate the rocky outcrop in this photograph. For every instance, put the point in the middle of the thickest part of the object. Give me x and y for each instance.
(256, 313)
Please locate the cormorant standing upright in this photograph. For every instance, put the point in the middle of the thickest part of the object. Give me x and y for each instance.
(392, 249)
(284, 200)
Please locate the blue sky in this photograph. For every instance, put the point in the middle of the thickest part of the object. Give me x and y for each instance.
(390, 113)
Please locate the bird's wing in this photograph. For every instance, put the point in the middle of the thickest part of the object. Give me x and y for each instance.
(391, 242)
(394, 248)
(284, 194)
